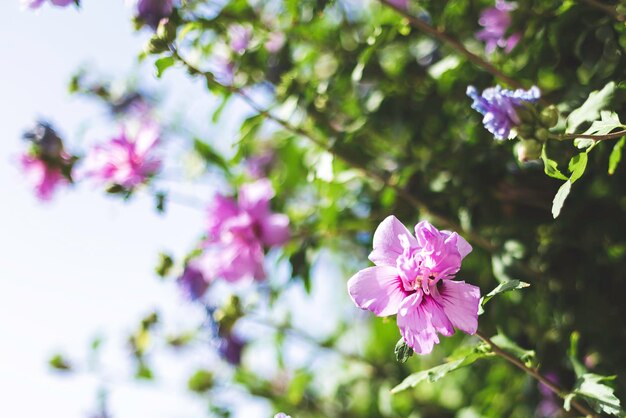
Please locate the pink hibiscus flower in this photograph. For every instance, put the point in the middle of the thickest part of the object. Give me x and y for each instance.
(412, 278)
(127, 160)
(238, 230)
(44, 177)
(495, 22)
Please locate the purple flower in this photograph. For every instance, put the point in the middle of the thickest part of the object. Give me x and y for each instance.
(193, 283)
(46, 178)
(412, 278)
(549, 405)
(238, 230)
(127, 160)
(230, 349)
(400, 4)
(35, 4)
(282, 415)
(257, 165)
(240, 37)
(152, 11)
(496, 21)
(498, 107)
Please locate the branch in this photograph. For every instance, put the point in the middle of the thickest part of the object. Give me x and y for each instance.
(454, 44)
(382, 178)
(535, 374)
(606, 8)
(613, 135)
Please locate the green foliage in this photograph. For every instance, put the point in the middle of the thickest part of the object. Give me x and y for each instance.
(503, 287)
(590, 109)
(591, 388)
(59, 362)
(201, 381)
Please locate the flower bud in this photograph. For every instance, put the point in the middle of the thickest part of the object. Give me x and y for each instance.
(549, 116)
(525, 130)
(167, 30)
(527, 150)
(46, 140)
(525, 114)
(542, 134)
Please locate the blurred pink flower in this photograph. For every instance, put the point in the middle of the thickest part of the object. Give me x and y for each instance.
(192, 282)
(275, 42)
(44, 177)
(496, 21)
(127, 160)
(412, 279)
(238, 230)
(35, 4)
(240, 37)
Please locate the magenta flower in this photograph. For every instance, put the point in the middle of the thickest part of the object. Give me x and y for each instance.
(127, 160)
(495, 22)
(238, 230)
(44, 177)
(152, 11)
(412, 278)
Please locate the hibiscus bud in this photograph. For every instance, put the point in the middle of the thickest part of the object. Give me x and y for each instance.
(525, 114)
(156, 45)
(46, 139)
(525, 130)
(528, 149)
(227, 315)
(167, 30)
(542, 134)
(549, 116)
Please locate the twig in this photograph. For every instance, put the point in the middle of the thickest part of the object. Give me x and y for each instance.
(384, 179)
(453, 43)
(613, 135)
(606, 8)
(534, 373)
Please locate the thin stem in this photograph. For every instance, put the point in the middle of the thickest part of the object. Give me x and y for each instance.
(613, 135)
(453, 43)
(606, 8)
(382, 178)
(534, 373)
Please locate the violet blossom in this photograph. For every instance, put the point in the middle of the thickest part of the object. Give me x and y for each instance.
(152, 11)
(499, 105)
(128, 159)
(35, 4)
(275, 42)
(230, 348)
(495, 22)
(239, 229)
(192, 282)
(412, 278)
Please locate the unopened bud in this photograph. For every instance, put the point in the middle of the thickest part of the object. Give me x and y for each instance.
(542, 134)
(166, 30)
(525, 114)
(528, 149)
(549, 116)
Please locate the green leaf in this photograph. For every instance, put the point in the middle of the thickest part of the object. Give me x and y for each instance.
(163, 64)
(527, 356)
(201, 381)
(572, 353)
(58, 362)
(144, 372)
(209, 154)
(609, 121)
(600, 396)
(501, 288)
(559, 198)
(551, 166)
(616, 155)
(577, 166)
(590, 109)
(402, 351)
(164, 265)
(437, 372)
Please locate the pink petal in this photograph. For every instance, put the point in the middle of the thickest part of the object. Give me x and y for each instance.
(377, 289)
(387, 246)
(275, 229)
(419, 319)
(460, 304)
(254, 197)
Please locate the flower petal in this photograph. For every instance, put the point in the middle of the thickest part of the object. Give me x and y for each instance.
(254, 197)
(377, 289)
(419, 319)
(460, 304)
(387, 246)
(275, 229)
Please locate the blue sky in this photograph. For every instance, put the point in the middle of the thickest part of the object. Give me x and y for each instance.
(82, 264)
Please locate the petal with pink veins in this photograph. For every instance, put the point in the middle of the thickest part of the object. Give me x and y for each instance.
(377, 289)
(387, 247)
(460, 304)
